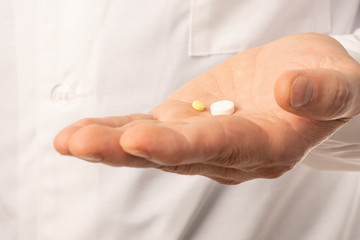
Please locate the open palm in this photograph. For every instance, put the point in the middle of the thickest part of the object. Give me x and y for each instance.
(275, 123)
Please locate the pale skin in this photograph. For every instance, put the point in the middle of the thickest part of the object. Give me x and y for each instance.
(274, 126)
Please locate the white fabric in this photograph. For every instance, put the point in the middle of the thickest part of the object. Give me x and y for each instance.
(63, 60)
(215, 24)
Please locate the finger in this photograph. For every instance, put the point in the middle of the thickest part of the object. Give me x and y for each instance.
(224, 140)
(62, 138)
(99, 143)
(320, 94)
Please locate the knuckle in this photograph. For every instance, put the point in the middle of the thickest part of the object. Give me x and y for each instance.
(278, 171)
(225, 181)
(85, 122)
(227, 160)
(80, 143)
(340, 101)
(229, 182)
(233, 176)
(141, 122)
(92, 129)
(186, 169)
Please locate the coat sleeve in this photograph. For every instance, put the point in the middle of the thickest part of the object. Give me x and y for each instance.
(342, 150)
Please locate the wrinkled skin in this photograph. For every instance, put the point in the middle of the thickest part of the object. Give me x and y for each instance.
(264, 138)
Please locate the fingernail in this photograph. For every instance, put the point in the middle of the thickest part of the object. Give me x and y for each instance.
(92, 159)
(301, 92)
(138, 153)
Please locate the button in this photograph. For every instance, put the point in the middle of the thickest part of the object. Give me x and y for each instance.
(63, 94)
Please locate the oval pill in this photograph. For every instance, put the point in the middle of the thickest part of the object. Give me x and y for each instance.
(223, 107)
(197, 105)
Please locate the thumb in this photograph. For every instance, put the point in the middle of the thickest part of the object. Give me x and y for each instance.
(319, 94)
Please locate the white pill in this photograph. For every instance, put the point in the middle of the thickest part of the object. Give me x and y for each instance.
(223, 107)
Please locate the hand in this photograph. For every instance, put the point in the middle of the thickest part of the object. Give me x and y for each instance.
(290, 95)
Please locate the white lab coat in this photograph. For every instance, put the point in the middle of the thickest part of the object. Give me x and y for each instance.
(63, 60)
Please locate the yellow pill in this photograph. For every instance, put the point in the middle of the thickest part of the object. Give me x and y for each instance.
(197, 105)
